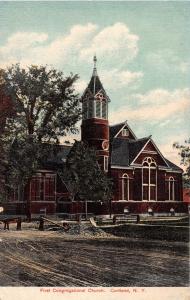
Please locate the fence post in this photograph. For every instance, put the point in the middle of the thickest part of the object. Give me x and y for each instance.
(6, 225)
(18, 227)
(114, 220)
(41, 225)
(138, 219)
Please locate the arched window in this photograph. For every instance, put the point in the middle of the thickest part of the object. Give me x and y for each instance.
(98, 109)
(171, 189)
(104, 110)
(95, 107)
(149, 179)
(88, 109)
(101, 109)
(125, 187)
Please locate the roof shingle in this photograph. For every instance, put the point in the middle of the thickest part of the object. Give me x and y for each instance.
(124, 150)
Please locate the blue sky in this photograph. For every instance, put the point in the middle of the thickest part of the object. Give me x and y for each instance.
(142, 49)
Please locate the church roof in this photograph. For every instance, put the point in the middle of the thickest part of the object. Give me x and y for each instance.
(124, 150)
(173, 166)
(95, 84)
(122, 153)
(114, 129)
(136, 146)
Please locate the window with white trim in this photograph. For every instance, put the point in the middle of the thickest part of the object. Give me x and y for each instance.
(101, 109)
(125, 187)
(104, 110)
(125, 132)
(94, 108)
(171, 189)
(43, 187)
(149, 179)
(98, 109)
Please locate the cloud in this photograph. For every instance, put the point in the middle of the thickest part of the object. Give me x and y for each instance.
(23, 40)
(36, 48)
(170, 152)
(113, 41)
(80, 86)
(155, 105)
(166, 60)
(184, 67)
(168, 122)
(76, 47)
(115, 78)
(19, 45)
(162, 96)
(65, 49)
(164, 123)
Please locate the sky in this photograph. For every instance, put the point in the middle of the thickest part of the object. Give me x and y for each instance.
(142, 50)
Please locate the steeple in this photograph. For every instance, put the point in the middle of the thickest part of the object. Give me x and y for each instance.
(95, 127)
(95, 86)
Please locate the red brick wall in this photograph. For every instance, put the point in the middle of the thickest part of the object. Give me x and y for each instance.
(94, 130)
(137, 191)
(159, 161)
(135, 184)
(161, 196)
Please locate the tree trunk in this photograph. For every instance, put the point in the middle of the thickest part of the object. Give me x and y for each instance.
(110, 207)
(86, 209)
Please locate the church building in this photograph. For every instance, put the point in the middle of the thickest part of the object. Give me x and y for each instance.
(144, 181)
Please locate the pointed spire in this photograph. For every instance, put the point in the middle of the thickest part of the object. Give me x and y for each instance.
(94, 69)
(95, 84)
(94, 74)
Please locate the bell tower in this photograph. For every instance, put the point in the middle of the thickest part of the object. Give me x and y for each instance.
(95, 126)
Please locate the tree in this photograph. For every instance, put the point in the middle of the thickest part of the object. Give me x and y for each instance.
(184, 152)
(45, 107)
(83, 176)
(6, 110)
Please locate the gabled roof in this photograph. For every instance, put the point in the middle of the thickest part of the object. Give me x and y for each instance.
(124, 151)
(156, 148)
(116, 129)
(136, 146)
(173, 166)
(120, 152)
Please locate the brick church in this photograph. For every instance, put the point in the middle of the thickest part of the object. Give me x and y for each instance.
(144, 180)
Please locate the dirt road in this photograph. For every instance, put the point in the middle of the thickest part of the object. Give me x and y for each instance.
(33, 258)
